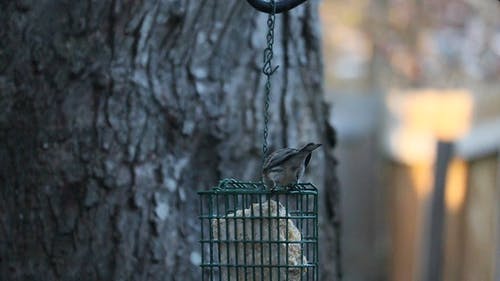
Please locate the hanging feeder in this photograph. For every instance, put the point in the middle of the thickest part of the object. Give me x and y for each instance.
(250, 232)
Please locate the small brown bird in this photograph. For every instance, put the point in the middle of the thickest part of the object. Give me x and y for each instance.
(284, 167)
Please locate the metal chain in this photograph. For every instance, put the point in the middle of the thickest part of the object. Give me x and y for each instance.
(268, 71)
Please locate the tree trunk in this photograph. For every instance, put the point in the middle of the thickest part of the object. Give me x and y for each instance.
(115, 112)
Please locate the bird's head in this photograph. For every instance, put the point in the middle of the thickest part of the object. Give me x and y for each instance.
(311, 146)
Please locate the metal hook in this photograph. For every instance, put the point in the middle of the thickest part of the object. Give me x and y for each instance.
(281, 6)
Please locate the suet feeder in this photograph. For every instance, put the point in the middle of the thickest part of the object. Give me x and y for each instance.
(252, 233)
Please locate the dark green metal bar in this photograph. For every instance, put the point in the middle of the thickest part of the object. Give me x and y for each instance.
(258, 265)
(286, 233)
(302, 261)
(307, 235)
(243, 191)
(305, 241)
(235, 205)
(252, 220)
(261, 239)
(270, 238)
(210, 235)
(219, 245)
(316, 235)
(226, 208)
(257, 188)
(202, 238)
(307, 228)
(278, 246)
(245, 261)
(309, 216)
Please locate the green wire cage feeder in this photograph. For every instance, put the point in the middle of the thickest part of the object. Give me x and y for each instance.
(249, 233)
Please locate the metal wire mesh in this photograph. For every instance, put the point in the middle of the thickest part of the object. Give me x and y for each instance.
(253, 234)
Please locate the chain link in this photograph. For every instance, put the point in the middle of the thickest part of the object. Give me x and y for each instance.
(268, 71)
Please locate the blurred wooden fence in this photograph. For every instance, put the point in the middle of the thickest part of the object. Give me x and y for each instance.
(472, 220)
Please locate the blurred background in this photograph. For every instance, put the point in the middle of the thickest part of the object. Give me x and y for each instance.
(402, 76)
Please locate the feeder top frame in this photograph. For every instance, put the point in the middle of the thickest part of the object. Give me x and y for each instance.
(232, 186)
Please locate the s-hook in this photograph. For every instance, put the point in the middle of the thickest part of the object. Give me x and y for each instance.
(281, 6)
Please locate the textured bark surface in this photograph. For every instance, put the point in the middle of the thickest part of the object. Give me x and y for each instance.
(115, 112)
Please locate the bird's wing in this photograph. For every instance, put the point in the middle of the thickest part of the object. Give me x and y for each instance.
(308, 158)
(278, 157)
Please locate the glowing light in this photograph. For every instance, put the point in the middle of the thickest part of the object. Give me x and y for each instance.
(422, 179)
(456, 185)
(419, 118)
(413, 147)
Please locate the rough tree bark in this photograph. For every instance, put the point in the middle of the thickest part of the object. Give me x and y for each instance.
(115, 112)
